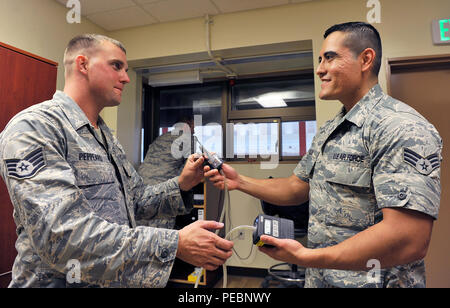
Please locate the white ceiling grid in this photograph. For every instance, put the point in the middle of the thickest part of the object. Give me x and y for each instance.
(114, 15)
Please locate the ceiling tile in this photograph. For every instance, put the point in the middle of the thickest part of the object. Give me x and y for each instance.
(170, 10)
(95, 6)
(119, 14)
(227, 6)
(122, 18)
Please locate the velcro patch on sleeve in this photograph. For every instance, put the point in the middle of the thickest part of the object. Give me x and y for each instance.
(424, 165)
(27, 167)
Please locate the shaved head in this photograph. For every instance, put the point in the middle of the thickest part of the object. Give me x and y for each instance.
(85, 44)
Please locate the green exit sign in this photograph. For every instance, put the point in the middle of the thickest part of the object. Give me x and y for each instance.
(441, 31)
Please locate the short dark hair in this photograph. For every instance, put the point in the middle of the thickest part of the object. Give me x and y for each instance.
(87, 41)
(360, 36)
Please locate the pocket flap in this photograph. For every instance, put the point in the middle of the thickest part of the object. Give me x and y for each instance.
(349, 174)
(93, 173)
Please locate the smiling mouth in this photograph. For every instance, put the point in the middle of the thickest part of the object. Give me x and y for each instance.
(325, 82)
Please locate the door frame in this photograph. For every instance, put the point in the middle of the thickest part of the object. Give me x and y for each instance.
(417, 62)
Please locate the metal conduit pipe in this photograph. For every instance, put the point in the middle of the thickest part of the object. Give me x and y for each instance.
(230, 73)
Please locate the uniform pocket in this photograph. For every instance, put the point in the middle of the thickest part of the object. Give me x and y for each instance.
(349, 174)
(350, 188)
(93, 174)
(94, 179)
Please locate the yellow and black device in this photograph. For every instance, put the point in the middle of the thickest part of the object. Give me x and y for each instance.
(273, 226)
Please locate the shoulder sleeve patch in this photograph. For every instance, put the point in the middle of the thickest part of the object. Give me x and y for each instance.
(27, 167)
(424, 165)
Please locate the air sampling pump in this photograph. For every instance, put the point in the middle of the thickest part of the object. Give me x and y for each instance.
(273, 226)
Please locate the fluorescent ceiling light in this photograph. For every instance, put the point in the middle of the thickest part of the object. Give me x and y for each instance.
(271, 100)
(175, 78)
(277, 99)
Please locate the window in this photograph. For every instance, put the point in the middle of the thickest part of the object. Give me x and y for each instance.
(210, 136)
(297, 137)
(260, 138)
(273, 94)
(253, 139)
(167, 106)
(290, 100)
(244, 118)
(175, 103)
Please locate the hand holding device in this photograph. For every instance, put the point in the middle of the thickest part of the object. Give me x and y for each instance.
(192, 173)
(273, 226)
(211, 159)
(201, 247)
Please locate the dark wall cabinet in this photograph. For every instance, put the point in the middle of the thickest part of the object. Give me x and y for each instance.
(25, 80)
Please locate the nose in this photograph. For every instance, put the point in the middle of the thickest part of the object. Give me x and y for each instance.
(320, 70)
(125, 78)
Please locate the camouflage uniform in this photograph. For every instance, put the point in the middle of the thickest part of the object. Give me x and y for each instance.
(77, 198)
(381, 154)
(161, 164)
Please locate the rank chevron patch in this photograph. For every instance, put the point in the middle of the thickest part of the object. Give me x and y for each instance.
(26, 167)
(424, 165)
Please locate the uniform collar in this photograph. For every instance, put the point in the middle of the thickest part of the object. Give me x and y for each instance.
(73, 112)
(76, 115)
(105, 129)
(358, 114)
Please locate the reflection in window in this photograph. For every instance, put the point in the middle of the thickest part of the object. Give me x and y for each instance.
(210, 136)
(255, 139)
(296, 137)
(203, 103)
(271, 116)
(273, 94)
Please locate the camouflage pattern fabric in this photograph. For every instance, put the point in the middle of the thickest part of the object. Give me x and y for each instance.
(160, 164)
(77, 198)
(381, 154)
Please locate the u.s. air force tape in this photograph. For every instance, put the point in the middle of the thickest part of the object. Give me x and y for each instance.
(26, 167)
(424, 165)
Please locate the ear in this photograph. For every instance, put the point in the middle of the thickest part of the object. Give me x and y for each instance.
(367, 59)
(81, 62)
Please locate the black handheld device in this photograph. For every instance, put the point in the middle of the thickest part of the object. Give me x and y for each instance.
(212, 160)
(274, 226)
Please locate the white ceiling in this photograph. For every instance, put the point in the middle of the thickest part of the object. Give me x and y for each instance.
(120, 14)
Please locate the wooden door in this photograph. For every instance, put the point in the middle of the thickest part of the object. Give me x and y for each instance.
(423, 83)
(25, 80)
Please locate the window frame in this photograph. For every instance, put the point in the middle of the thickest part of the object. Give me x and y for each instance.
(151, 115)
(288, 157)
(285, 113)
(230, 138)
(151, 109)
